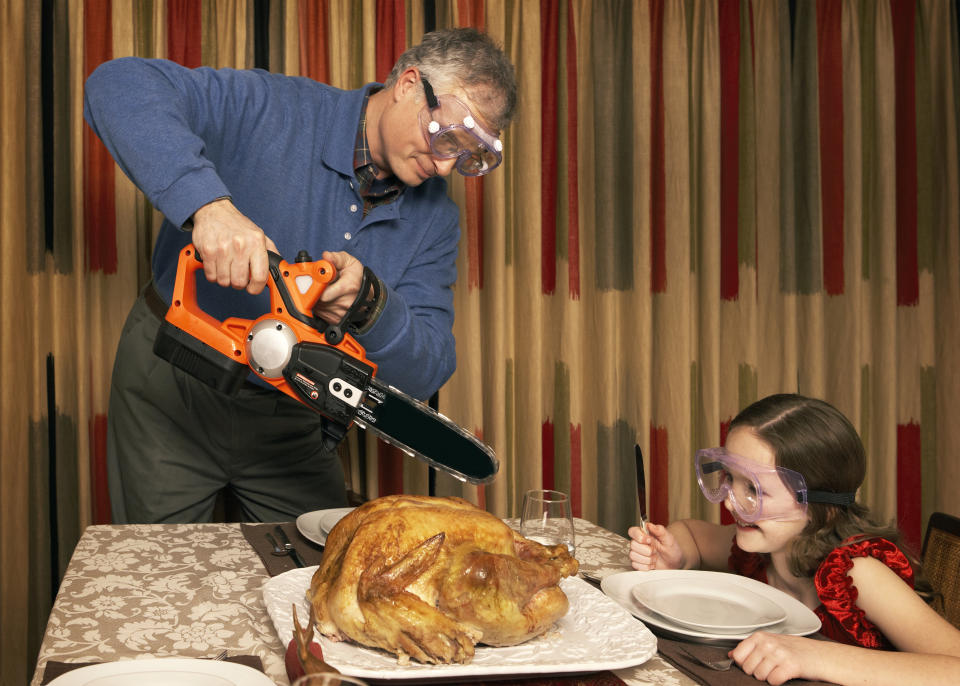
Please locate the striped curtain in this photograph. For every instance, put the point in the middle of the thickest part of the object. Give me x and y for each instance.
(702, 202)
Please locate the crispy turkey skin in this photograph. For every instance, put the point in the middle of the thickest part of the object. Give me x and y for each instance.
(429, 578)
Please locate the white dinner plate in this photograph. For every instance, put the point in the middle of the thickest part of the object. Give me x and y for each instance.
(317, 524)
(163, 671)
(800, 620)
(595, 635)
(331, 517)
(718, 606)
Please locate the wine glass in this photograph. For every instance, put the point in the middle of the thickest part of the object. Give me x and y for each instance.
(328, 679)
(546, 518)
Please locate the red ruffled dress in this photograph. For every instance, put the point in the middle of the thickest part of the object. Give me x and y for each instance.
(842, 620)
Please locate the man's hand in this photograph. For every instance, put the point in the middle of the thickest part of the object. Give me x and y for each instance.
(338, 296)
(233, 248)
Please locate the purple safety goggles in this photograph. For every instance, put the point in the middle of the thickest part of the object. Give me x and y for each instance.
(758, 491)
(452, 132)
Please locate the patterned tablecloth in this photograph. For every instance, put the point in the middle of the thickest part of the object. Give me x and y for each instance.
(193, 590)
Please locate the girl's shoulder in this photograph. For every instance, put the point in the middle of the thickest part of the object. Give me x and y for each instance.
(839, 560)
(836, 589)
(842, 617)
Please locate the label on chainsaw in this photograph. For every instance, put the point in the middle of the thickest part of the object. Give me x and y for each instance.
(417, 430)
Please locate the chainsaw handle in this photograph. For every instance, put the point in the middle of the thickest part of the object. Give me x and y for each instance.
(294, 290)
(227, 337)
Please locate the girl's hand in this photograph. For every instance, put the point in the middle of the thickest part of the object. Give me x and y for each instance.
(657, 549)
(776, 658)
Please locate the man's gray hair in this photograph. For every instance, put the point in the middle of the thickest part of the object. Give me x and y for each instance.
(467, 59)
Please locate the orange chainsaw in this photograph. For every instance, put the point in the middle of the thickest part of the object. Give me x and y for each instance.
(317, 363)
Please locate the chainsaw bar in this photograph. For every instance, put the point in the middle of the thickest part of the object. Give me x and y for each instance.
(292, 349)
(419, 431)
(344, 390)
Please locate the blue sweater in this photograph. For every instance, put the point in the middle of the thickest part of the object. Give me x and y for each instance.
(282, 148)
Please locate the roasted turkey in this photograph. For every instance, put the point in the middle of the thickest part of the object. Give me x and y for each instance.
(429, 578)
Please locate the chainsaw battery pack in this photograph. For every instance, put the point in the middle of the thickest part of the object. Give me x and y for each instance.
(199, 359)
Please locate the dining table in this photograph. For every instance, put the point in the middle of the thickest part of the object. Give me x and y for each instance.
(196, 590)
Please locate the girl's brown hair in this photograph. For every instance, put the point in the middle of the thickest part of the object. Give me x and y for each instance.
(813, 438)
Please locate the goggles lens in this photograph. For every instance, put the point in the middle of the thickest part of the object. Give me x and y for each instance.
(756, 491)
(452, 132)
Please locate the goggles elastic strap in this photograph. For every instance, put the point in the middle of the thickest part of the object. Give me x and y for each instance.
(828, 498)
(432, 101)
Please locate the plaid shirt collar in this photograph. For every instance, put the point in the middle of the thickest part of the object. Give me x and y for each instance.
(374, 191)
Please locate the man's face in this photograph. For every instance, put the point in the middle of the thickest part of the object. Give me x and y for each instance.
(404, 148)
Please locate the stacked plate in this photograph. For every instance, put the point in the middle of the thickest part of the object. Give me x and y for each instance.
(709, 607)
(163, 672)
(317, 525)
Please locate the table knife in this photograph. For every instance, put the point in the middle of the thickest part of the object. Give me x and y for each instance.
(285, 542)
(641, 487)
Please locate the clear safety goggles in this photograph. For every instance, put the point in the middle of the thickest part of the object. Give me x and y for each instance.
(452, 132)
(758, 491)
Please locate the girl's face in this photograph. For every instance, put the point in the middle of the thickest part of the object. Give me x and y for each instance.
(764, 535)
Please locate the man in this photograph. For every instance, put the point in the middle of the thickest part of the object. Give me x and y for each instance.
(242, 162)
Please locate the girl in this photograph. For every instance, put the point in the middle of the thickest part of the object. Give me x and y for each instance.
(789, 474)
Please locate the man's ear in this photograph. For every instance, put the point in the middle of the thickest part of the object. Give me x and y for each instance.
(407, 81)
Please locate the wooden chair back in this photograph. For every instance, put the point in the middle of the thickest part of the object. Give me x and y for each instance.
(941, 563)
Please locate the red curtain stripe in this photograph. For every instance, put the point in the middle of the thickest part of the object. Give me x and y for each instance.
(549, 36)
(658, 483)
(471, 13)
(729, 35)
(100, 495)
(184, 33)
(314, 30)
(830, 77)
(391, 35)
(99, 227)
(909, 483)
(548, 455)
(908, 278)
(573, 201)
(99, 204)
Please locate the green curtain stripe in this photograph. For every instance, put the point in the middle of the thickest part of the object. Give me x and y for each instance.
(208, 33)
(561, 427)
(514, 168)
(697, 504)
(806, 243)
(746, 384)
(866, 423)
(613, 134)
(64, 171)
(509, 459)
(616, 475)
(41, 550)
(928, 443)
(143, 28)
(787, 268)
(355, 42)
